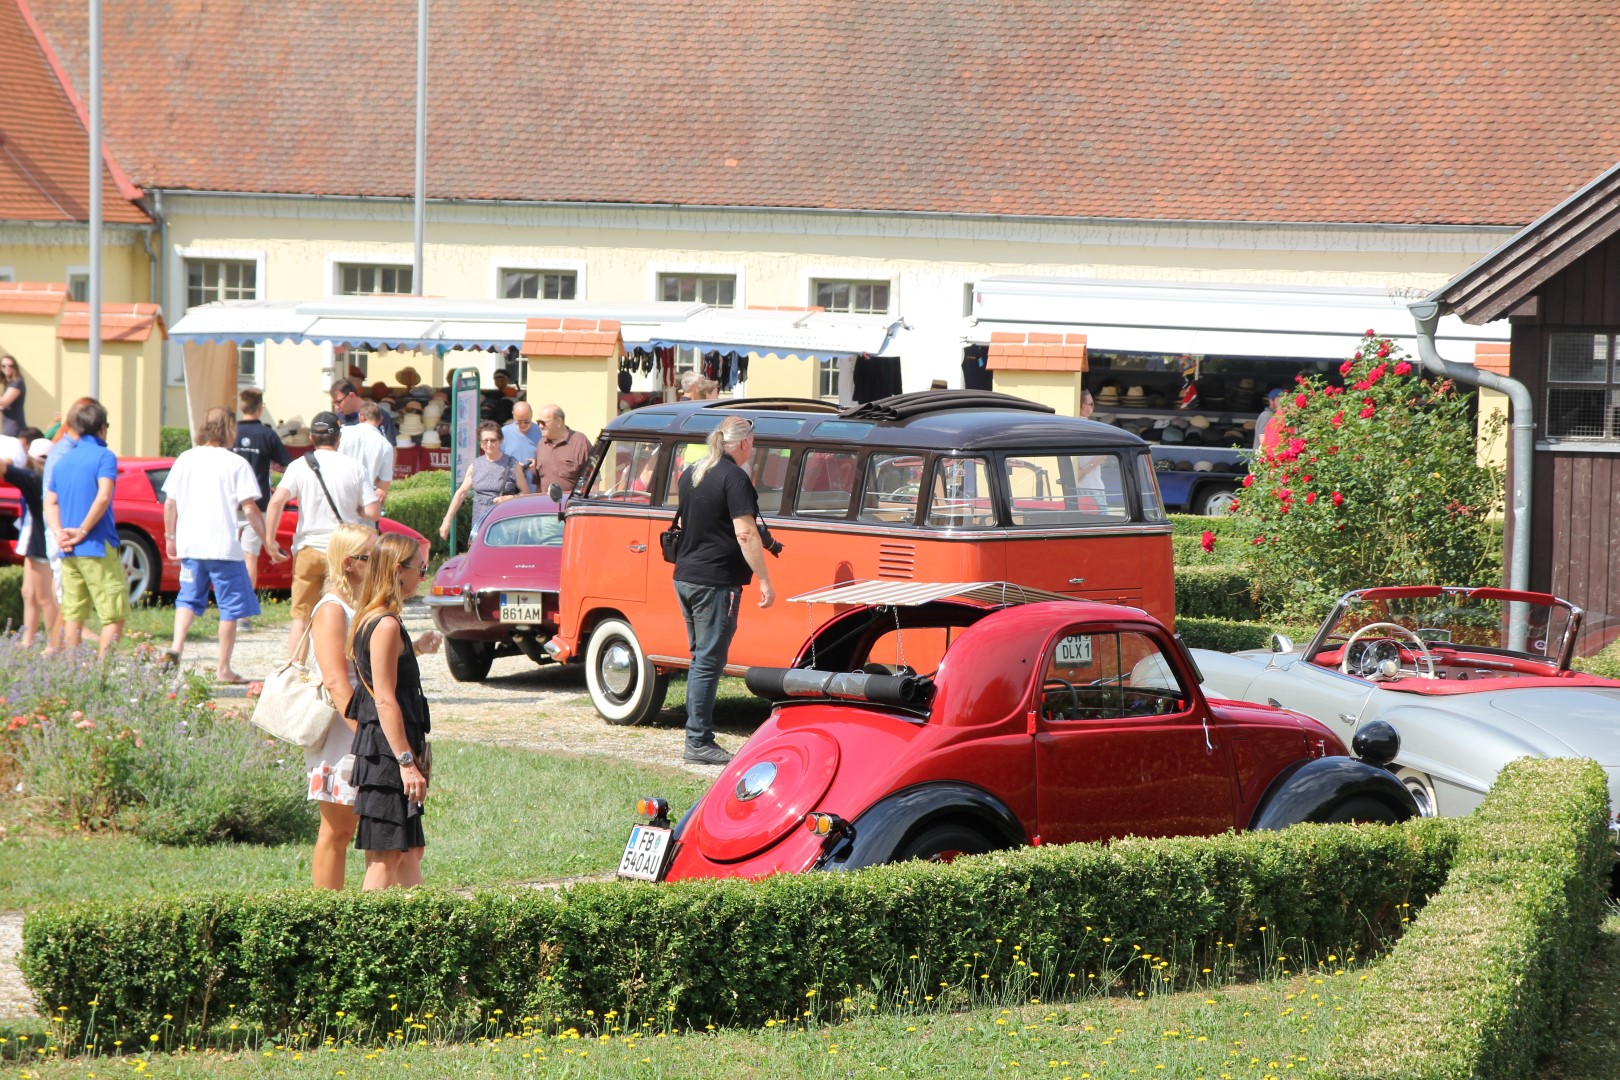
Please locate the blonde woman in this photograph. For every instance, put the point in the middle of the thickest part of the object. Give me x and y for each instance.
(329, 781)
(719, 553)
(390, 741)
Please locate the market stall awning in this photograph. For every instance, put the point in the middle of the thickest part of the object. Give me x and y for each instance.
(1207, 320)
(430, 323)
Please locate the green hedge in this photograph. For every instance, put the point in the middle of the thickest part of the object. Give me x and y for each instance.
(1223, 635)
(727, 952)
(1479, 984)
(420, 502)
(1218, 591)
(11, 603)
(173, 441)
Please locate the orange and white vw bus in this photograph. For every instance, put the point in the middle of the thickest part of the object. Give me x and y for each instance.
(939, 486)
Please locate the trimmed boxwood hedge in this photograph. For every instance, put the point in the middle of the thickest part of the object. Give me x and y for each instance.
(1223, 635)
(11, 604)
(727, 952)
(1480, 982)
(420, 501)
(173, 441)
(1216, 591)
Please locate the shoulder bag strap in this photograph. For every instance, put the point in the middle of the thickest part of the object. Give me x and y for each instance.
(316, 469)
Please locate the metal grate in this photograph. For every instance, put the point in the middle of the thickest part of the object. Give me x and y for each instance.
(1583, 387)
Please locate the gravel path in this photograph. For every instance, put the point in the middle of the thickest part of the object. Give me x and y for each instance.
(520, 705)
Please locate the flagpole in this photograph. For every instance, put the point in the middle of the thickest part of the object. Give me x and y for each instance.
(95, 198)
(421, 141)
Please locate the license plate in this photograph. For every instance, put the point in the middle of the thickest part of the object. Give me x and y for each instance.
(522, 607)
(644, 853)
(1074, 651)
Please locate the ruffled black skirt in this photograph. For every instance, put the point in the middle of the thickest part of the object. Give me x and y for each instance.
(387, 820)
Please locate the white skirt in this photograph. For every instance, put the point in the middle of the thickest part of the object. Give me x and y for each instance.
(331, 766)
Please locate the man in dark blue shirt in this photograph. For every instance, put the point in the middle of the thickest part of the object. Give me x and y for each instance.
(258, 444)
(78, 510)
(346, 403)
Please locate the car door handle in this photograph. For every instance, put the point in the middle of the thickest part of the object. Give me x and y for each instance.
(1348, 718)
(638, 548)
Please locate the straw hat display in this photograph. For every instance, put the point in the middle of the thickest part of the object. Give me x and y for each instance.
(430, 439)
(410, 423)
(407, 377)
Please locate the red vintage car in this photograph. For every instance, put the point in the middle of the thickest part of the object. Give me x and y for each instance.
(138, 511)
(933, 721)
(499, 597)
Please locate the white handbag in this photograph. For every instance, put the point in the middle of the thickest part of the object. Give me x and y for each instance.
(294, 706)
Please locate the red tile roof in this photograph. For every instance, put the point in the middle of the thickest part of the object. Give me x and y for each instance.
(44, 149)
(32, 297)
(119, 322)
(1012, 351)
(572, 337)
(1445, 111)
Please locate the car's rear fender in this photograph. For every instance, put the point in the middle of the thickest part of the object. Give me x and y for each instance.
(1312, 790)
(885, 827)
(1228, 675)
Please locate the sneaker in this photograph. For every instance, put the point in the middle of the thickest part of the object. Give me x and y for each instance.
(244, 626)
(707, 754)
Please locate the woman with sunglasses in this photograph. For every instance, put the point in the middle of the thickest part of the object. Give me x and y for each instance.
(391, 757)
(492, 478)
(11, 397)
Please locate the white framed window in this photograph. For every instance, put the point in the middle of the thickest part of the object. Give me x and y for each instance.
(517, 283)
(853, 296)
(716, 290)
(78, 282)
(967, 299)
(373, 279)
(211, 279)
(827, 380)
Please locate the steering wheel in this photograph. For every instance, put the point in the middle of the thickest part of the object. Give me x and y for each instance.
(1052, 685)
(1422, 648)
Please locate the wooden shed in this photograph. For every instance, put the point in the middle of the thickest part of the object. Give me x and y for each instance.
(1558, 283)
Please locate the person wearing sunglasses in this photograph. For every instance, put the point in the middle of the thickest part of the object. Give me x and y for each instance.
(392, 758)
(493, 477)
(13, 390)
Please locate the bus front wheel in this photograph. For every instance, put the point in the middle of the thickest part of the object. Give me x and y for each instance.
(624, 685)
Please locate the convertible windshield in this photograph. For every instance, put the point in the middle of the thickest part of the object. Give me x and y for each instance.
(1531, 625)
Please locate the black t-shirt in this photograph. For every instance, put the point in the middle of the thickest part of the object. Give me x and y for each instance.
(709, 553)
(259, 445)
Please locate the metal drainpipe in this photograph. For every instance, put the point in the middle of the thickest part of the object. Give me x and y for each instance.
(1426, 314)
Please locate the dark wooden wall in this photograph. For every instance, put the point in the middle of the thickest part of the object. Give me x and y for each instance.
(1575, 498)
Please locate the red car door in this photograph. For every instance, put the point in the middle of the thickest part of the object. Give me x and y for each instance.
(1120, 747)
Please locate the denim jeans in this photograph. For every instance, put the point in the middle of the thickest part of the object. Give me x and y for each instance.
(711, 620)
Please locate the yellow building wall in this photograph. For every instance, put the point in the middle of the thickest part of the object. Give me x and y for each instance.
(32, 340)
(131, 388)
(126, 272)
(781, 376)
(1493, 449)
(586, 387)
(1059, 389)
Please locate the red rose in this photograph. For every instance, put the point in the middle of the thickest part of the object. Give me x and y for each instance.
(1367, 413)
(1383, 349)
(1300, 401)
(1346, 367)
(1307, 477)
(1338, 499)
(1248, 481)
(1403, 368)
(1372, 333)
(1207, 541)
(1338, 418)
(1310, 499)
(1257, 541)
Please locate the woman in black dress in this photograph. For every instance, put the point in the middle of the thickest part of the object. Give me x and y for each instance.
(391, 714)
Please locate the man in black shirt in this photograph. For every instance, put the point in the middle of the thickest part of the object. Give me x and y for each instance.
(346, 403)
(720, 550)
(260, 446)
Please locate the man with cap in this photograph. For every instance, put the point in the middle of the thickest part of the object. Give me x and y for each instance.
(1263, 421)
(346, 403)
(331, 489)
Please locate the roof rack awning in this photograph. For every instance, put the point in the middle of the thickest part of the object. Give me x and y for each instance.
(915, 593)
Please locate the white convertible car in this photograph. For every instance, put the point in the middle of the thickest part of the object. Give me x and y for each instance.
(1470, 678)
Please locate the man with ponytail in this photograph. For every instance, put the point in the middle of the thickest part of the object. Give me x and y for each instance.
(719, 553)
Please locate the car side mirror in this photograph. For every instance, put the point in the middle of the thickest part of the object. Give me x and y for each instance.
(555, 494)
(1282, 643)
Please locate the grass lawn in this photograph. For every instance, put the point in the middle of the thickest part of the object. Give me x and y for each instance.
(495, 815)
(1275, 1028)
(156, 620)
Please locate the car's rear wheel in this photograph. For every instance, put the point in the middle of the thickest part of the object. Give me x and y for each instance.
(468, 661)
(1422, 789)
(142, 567)
(944, 843)
(1362, 808)
(625, 687)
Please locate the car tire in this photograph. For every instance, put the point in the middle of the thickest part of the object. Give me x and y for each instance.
(1422, 789)
(468, 661)
(943, 843)
(1360, 809)
(1215, 501)
(625, 687)
(143, 569)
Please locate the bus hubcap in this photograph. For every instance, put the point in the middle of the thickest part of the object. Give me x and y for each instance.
(618, 669)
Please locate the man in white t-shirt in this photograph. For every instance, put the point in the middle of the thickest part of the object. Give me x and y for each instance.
(207, 487)
(365, 443)
(330, 490)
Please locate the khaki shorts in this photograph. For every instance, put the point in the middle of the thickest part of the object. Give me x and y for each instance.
(99, 585)
(251, 544)
(309, 581)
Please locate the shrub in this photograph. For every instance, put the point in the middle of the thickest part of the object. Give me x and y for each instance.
(420, 501)
(730, 952)
(1478, 985)
(1216, 591)
(1223, 635)
(112, 746)
(173, 441)
(1373, 483)
(11, 605)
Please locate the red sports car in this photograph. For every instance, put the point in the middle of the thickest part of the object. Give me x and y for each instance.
(499, 597)
(934, 721)
(138, 510)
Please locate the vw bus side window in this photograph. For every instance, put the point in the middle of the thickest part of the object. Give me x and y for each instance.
(626, 473)
(893, 487)
(1109, 676)
(826, 484)
(1152, 501)
(681, 457)
(960, 497)
(1065, 489)
(768, 470)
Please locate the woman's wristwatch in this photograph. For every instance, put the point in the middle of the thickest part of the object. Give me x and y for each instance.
(407, 759)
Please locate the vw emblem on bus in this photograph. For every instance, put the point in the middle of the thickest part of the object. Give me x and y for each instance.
(756, 781)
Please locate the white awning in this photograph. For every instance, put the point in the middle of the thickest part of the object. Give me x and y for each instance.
(804, 334)
(1210, 320)
(242, 321)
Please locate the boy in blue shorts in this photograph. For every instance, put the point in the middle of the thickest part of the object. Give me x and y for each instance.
(206, 488)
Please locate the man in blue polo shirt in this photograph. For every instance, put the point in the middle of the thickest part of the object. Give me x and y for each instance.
(78, 511)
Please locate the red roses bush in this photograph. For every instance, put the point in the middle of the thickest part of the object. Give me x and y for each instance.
(1382, 489)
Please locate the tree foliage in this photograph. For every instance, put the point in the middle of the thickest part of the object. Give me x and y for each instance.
(1373, 481)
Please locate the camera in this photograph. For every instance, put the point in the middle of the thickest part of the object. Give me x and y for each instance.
(766, 540)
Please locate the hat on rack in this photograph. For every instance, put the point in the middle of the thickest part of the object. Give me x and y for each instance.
(411, 424)
(1200, 422)
(403, 441)
(1135, 395)
(430, 439)
(1172, 434)
(1203, 466)
(1184, 466)
(1108, 394)
(1248, 425)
